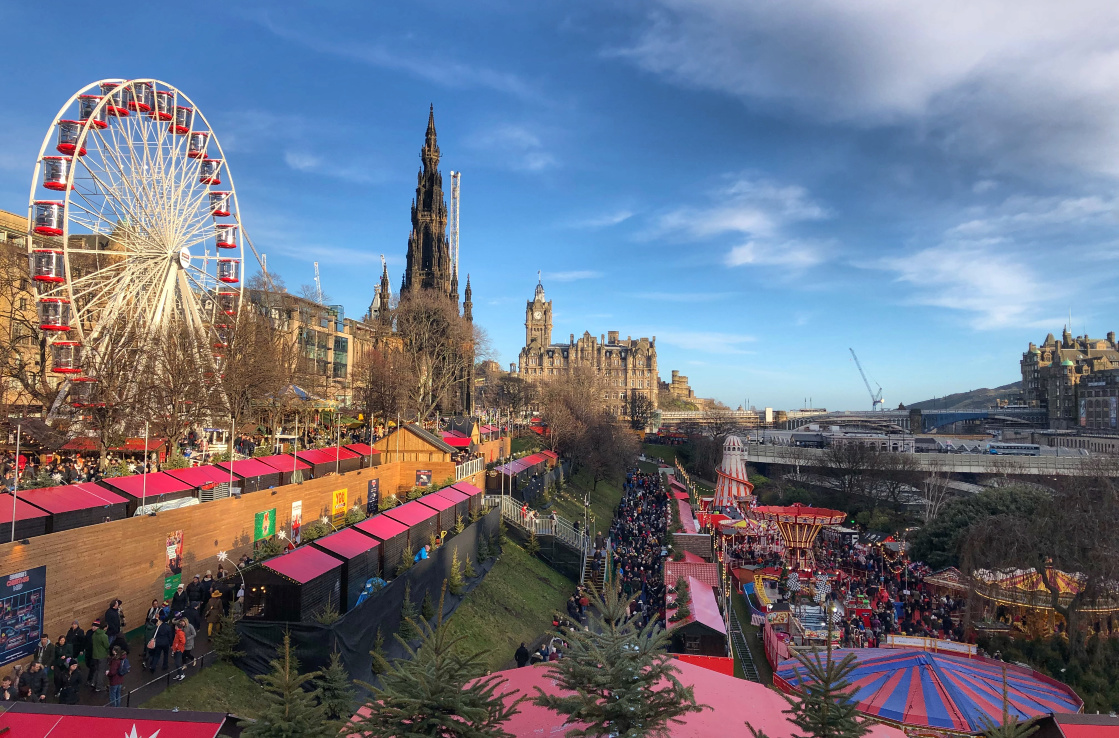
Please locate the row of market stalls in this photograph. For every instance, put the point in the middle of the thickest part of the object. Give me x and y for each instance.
(515, 476)
(52, 509)
(337, 570)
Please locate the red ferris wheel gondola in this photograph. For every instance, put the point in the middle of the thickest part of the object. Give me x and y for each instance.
(69, 131)
(115, 105)
(56, 172)
(54, 314)
(87, 111)
(164, 105)
(219, 204)
(196, 148)
(49, 217)
(209, 172)
(184, 116)
(66, 357)
(140, 97)
(226, 236)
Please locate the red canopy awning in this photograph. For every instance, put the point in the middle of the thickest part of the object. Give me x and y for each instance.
(284, 463)
(24, 511)
(70, 497)
(303, 564)
(411, 513)
(40, 720)
(347, 543)
(456, 442)
(157, 484)
(200, 476)
(382, 527)
(249, 468)
(551, 455)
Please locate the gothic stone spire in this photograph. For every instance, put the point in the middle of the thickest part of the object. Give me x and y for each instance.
(468, 303)
(429, 257)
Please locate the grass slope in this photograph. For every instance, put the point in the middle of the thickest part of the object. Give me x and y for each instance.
(218, 688)
(568, 502)
(530, 442)
(514, 603)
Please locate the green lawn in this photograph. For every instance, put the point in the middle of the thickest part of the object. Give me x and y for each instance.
(568, 502)
(529, 442)
(514, 603)
(218, 688)
(667, 454)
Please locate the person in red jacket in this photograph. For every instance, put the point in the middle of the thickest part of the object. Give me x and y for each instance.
(178, 645)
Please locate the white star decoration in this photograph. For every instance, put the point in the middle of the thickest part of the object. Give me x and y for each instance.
(135, 734)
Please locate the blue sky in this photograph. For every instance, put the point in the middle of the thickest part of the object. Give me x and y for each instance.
(759, 184)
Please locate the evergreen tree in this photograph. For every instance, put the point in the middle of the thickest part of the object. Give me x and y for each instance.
(822, 707)
(380, 662)
(289, 710)
(1009, 726)
(468, 568)
(427, 609)
(427, 694)
(621, 680)
(226, 640)
(533, 545)
(406, 560)
(502, 534)
(337, 692)
(408, 616)
(454, 579)
(483, 547)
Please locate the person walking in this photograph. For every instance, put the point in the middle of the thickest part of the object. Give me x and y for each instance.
(179, 601)
(44, 654)
(213, 613)
(114, 619)
(71, 690)
(159, 644)
(178, 645)
(116, 679)
(521, 655)
(63, 652)
(189, 633)
(33, 684)
(99, 651)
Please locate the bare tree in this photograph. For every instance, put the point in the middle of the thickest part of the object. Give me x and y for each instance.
(640, 410)
(258, 367)
(178, 387)
(894, 474)
(572, 403)
(440, 348)
(382, 381)
(852, 465)
(934, 487)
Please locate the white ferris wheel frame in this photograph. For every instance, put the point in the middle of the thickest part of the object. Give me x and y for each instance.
(202, 229)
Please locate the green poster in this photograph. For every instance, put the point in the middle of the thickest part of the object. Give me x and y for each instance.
(170, 585)
(265, 525)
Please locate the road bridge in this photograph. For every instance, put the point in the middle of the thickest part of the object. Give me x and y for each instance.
(1044, 466)
(929, 420)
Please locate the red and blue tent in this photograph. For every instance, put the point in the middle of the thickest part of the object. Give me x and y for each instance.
(938, 690)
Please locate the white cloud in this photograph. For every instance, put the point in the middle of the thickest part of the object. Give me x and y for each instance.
(796, 254)
(709, 342)
(302, 161)
(1022, 82)
(1022, 213)
(604, 220)
(515, 147)
(572, 276)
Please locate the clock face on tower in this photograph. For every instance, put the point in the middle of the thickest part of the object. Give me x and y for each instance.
(538, 315)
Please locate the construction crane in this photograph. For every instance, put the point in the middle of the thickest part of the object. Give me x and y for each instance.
(876, 401)
(456, 181)
(318, 285)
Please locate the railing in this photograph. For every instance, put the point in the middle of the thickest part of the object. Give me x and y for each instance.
(469, 468)
(150, 689)
(530, 520)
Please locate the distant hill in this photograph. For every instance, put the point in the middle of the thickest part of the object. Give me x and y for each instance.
(979, 399)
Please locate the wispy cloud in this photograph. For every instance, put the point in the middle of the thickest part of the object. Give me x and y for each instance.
(426, 65)
(708, 342)
(515, 147)
(796, 254)
(605, 220)
(572, 276)
(354, 171)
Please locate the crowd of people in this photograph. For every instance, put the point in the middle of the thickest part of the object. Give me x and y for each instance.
(637, 537)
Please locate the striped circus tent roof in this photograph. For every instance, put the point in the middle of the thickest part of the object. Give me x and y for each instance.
(940, 691)
(733, 485)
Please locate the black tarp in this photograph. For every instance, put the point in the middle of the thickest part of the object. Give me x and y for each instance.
(354, 633)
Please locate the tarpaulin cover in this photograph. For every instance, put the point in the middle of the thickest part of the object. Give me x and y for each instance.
(303, 564)
(157, 484)
(62, 721)
(347, 543)
(353, 634)
(284, 462)
(23, 510)
(733, 703)
(382, 527)
(411, 513)
(436, 502)
(70, 497)
(939, 690)
(196, 476)
(249, 468)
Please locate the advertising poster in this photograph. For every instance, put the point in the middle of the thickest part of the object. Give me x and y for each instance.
(423, 477)
(338, 507)
(1083, 412)
(264, 526)
(373, 495)
(21, 614)
(297, 522)
(1114, 404)
(173, 572)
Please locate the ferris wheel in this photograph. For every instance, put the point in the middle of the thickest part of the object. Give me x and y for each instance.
(133, 225)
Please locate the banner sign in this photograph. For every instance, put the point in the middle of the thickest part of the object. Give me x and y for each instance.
(173, 572)
(297, 522)
(21, 614)
(264, 526)
(1083, 412)
(373, 496)
(338, 507)
(1114, 404)
(423, 477)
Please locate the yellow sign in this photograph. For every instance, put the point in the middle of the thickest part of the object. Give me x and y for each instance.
(338, 509)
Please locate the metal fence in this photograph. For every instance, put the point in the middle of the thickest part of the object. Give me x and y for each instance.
(469, 468)
(159, 684)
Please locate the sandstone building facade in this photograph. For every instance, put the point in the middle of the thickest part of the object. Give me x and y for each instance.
(1062, 377)
(627, 367)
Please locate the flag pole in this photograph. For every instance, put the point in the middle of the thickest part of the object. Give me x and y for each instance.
(15, 485)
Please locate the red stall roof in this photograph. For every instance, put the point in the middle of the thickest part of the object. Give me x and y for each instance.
(347, 543)
(284, 462)
(158, 483)
(28, 720)
(411, 513)
(382, 527)
(249, 468)
(341, 452)
(704, 609)
(197, 476)
(436, 502)
(362, 449)
(303, 564)
(24, 511)
(552, 455)
(453, 495)
(456, 441)
(71, 497)
(686, 518)
(466, 488)
(316, 456)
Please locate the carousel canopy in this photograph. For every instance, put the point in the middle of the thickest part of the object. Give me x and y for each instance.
(940, 691)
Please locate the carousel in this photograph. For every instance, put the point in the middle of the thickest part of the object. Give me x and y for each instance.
(798, 525)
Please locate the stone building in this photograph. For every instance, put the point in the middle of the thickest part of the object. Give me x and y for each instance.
(1053, 373)
(628, 367)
